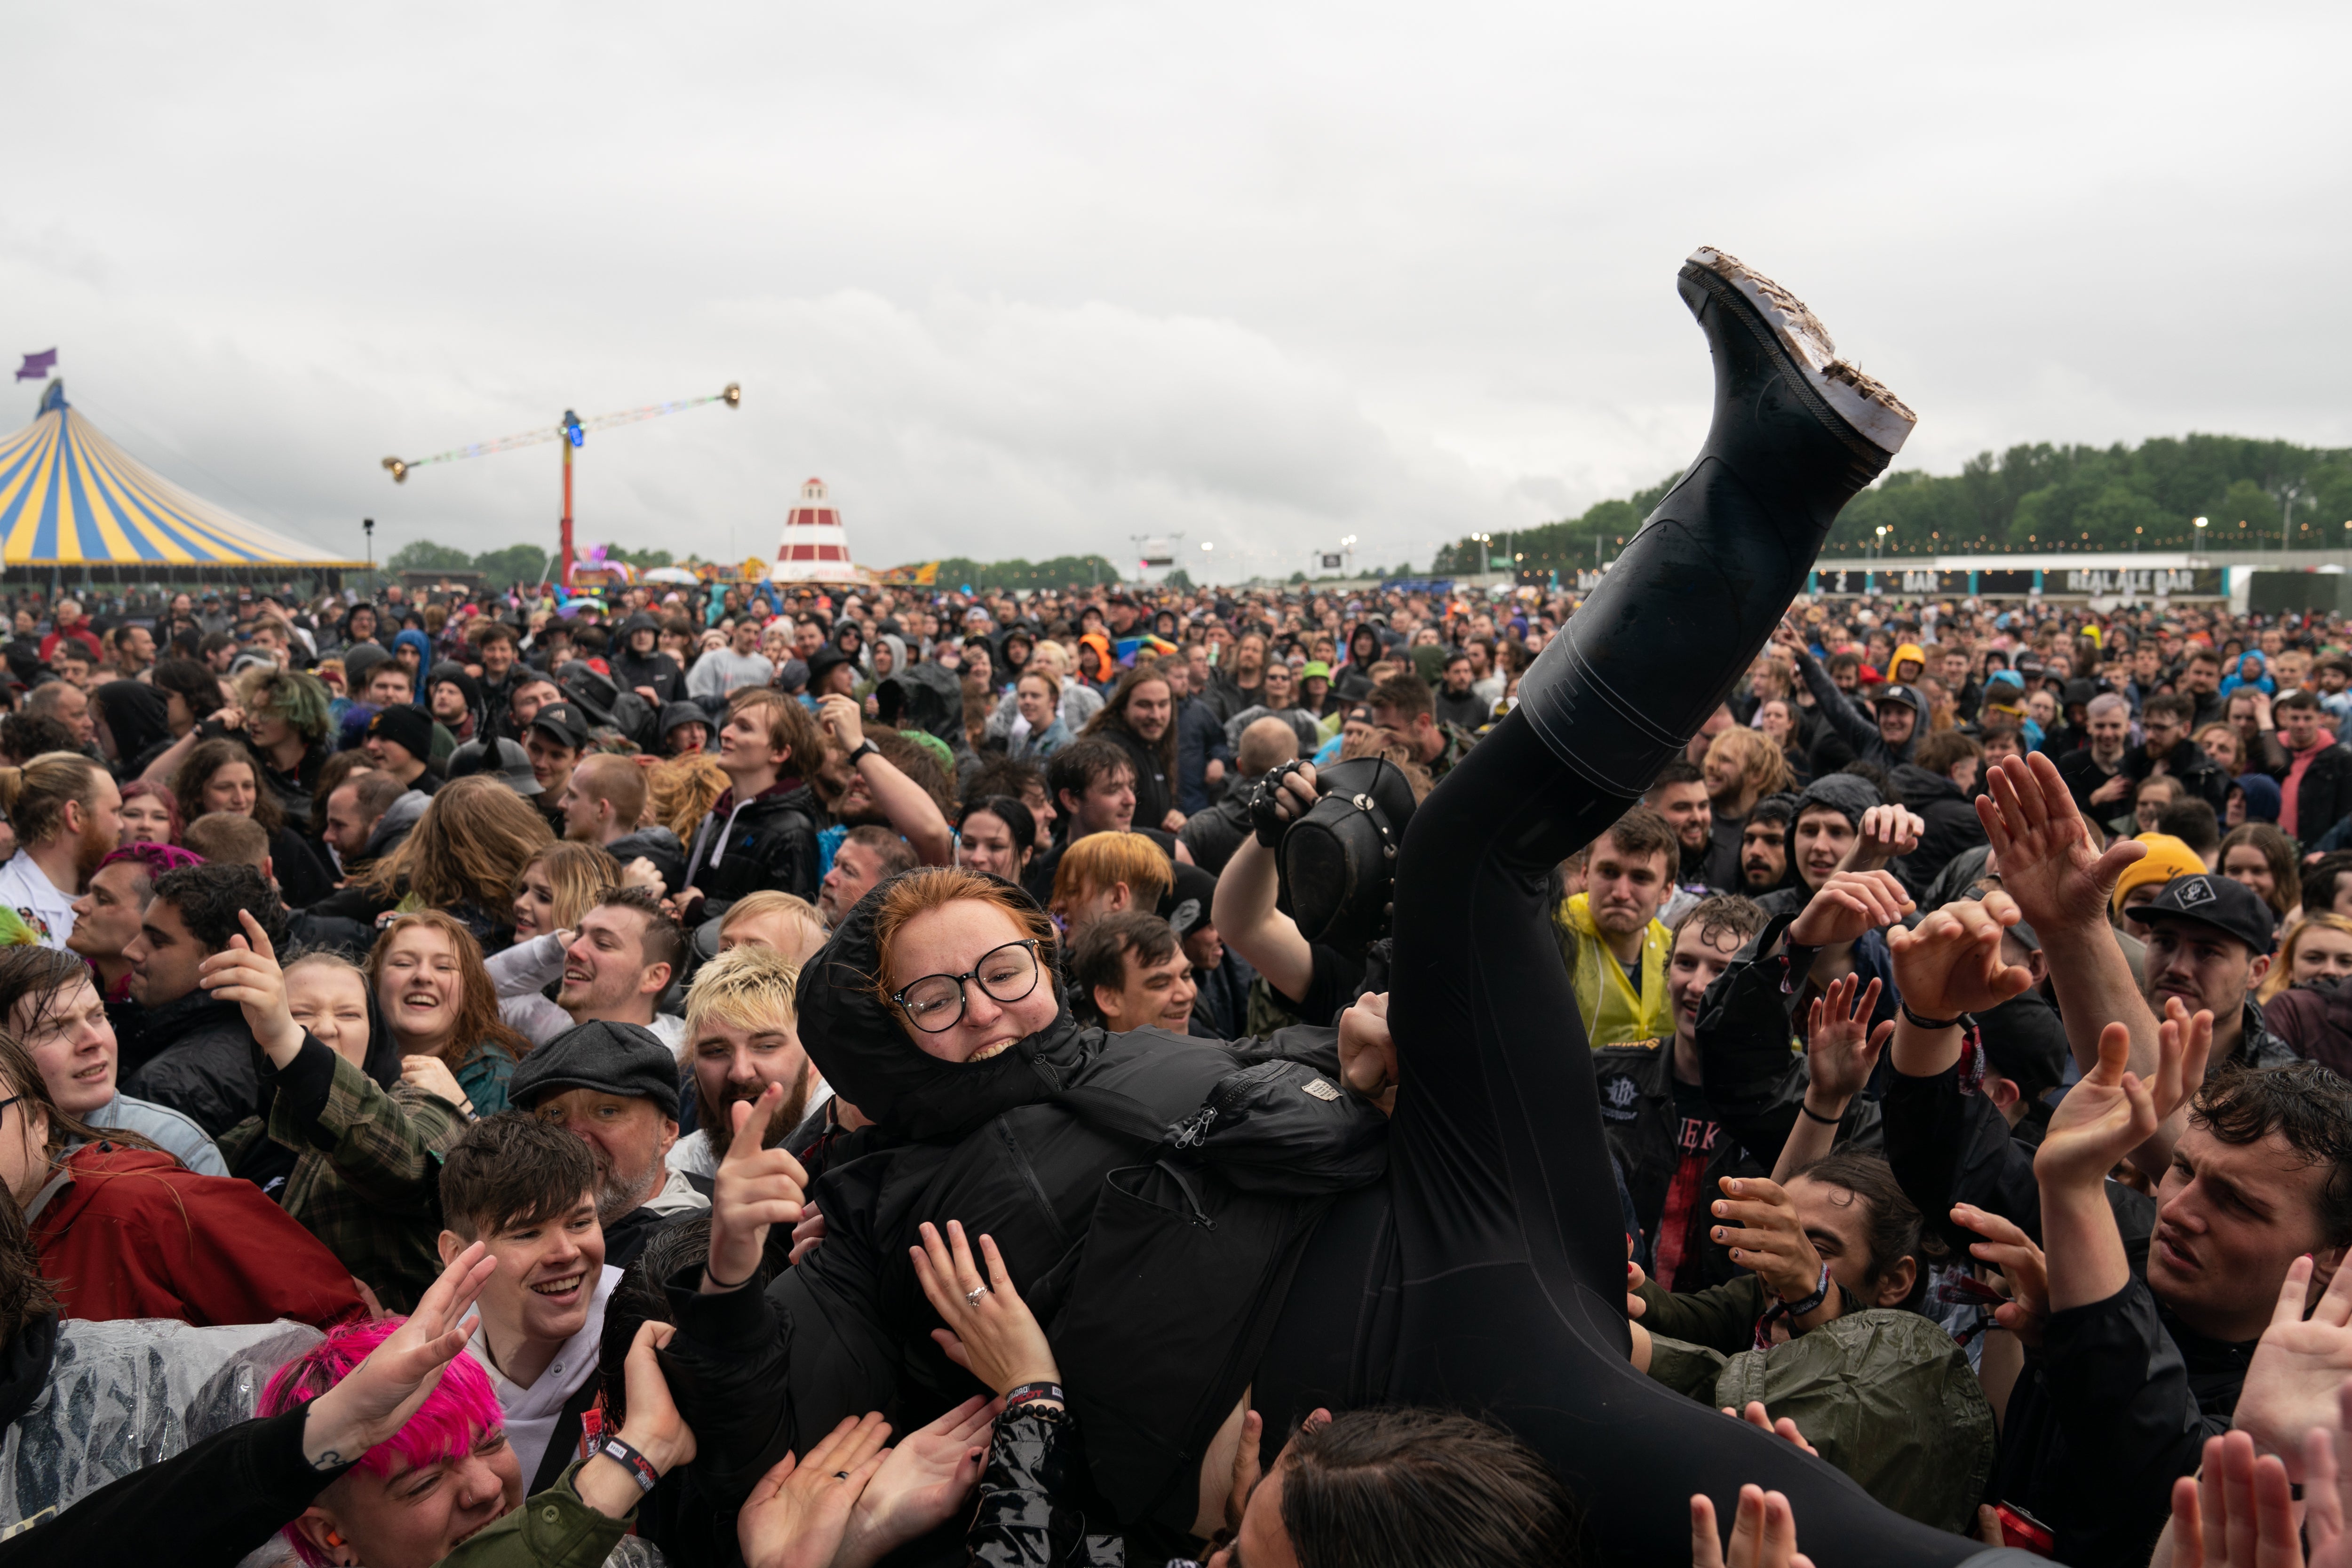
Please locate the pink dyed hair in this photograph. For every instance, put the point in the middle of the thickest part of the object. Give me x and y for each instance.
(448, 1423)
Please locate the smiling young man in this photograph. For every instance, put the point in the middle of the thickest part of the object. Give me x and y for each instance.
(68, 818)
(526, 1189)
(1132, 969)
(1609, 936)
(2315, 782)
(182, 1047)
(742, 1032)
(615, 1086)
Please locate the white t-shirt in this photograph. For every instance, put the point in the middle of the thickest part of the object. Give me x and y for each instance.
(26, 889)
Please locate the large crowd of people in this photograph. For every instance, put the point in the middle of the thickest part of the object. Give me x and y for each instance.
(789, 1075)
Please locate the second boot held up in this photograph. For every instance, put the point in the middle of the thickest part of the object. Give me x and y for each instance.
(1797, 433)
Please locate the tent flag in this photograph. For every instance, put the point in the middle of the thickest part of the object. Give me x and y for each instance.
(69, 497)
(36, 367)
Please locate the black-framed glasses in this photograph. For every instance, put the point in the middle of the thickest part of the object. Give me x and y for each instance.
(5, 1104)
(935, 1003)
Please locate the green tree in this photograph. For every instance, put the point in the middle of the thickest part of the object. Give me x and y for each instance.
(524, 564)
(424, 555)
(643, 560)
(1180, 580)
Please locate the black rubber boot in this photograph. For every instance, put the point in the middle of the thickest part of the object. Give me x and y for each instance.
(1797, 433)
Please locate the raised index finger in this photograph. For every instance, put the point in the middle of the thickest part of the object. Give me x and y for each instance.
(749, 1113)
(258, 938)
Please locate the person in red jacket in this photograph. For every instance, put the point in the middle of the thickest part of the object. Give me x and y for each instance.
(71, 624)
(125, 1231)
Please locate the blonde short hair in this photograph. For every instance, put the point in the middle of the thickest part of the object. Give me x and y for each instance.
(1100, 860)
(750, 987)
(768, 902)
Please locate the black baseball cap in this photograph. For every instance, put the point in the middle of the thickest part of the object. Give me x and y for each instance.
(562, 720)
(2227, 905)
(1903, 696)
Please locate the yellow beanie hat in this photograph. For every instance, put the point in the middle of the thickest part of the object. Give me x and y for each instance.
(2167, 857)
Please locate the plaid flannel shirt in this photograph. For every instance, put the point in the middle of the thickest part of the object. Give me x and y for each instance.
(367, 1172)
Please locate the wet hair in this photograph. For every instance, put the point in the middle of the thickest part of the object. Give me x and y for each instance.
(1001, 776)
(33, 799)
(1113, 714)
(24, 735)
(209, 758)
(469, 845)
(40, 977)
(1012, 812)
(211, 897)
(1677, 772)
(1099, 955)
(894, 853)
(1723, 912)
(1944, 749)
(198, 687)
(1895, 1228)
(1407, 696)
(2307, 1105)
(1422, 1488)
(664, 939)
(791, 726)
(478, 1023)
(462, 1407)
(512, 1170)
(580, 875)
(1642, 832)
(1080, 765)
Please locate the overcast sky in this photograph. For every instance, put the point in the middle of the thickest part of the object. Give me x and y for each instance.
(1030, 279)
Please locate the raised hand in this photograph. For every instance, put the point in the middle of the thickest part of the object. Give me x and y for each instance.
(2328, 1485)
(1763, 1534)
(921, 1484)
(2295, 1379)
(1765, 1235)
(797, 1515)
(1949, 964)
(654, 1428)
(379, 1395)
(2183, 1044)
(754, 1188)
(1850, 903)
(990, 1333)
(2237, 1513)
(431, 1075)
(247, 973)
(1840, 1046)
(838, 715)
(2008, 1249)
(1886, 833)
(2103, 1117)
(2045, 849)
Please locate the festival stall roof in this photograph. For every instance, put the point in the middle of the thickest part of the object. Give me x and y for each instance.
(73, 502)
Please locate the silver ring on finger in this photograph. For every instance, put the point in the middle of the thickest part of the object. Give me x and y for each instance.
(972, 1297)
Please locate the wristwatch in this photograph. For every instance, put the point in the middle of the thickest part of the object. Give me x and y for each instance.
(865, 749)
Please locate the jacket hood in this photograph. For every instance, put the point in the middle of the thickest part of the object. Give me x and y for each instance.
(924, 696)
(864, 1053)
(424, 645)
(2264, 796)
(642, 621)
(394, 824)
(673, 714)
(897, 646)
(1849, 792)
(136, 714)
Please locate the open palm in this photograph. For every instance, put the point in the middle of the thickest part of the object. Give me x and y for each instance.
(2044, 848)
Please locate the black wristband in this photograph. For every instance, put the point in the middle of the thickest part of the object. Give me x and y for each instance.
(1028, 1392)
(1919, 1023)
(1813, 1115)
(641, 1470)
(717, 1283)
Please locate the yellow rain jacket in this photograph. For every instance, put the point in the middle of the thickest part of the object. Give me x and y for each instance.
(1612, 1014)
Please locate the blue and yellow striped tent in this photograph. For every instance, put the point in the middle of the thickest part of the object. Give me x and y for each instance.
(72, 500)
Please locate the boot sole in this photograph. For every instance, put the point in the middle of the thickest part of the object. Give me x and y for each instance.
(1874, 413)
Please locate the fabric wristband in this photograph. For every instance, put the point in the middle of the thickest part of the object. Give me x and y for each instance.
(1791, 1310)
(1029, 1392)
(1932, 1024)
(641, 1470)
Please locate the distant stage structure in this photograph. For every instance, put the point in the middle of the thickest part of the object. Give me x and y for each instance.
(815, 547)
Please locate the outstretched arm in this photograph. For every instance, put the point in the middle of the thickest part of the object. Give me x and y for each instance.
(907, 804)
(1835, 706)
(1243, 910)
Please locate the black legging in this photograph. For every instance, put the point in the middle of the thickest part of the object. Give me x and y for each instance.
(1507, 1231)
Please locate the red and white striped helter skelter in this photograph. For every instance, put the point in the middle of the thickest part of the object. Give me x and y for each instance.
(815, 547)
